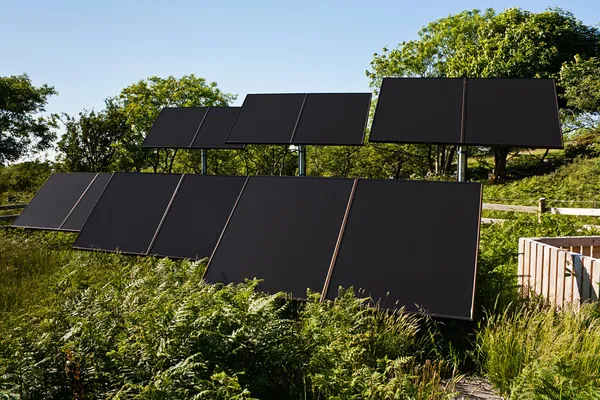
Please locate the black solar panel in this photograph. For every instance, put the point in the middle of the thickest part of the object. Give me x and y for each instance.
(215, 128)
(333, 119)
(283, 230)
(418, 110)
(197, 216)
(175, 127)
(512, 113)
(128, 213)
(54, 201)
(80, 213)
(412, 244)
(267, 119)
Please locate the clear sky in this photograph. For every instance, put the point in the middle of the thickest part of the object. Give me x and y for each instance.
(89, 50)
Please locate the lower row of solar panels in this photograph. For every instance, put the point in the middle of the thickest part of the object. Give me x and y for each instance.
(405, 243)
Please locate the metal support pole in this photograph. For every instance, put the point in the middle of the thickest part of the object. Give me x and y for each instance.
(203, 158)
(302, 160)
(462, 164)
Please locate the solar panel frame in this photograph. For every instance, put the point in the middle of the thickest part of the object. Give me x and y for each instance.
(522, 122)
(159, 215)
(255, 211)
(365, 211)
(213, 130)
(163, 135)
(445, 110)
(257, 115)
(86, 179)
(189, 209)
(321, 115)
(86, 203)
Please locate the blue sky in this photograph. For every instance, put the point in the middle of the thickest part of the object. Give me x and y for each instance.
(90, 50)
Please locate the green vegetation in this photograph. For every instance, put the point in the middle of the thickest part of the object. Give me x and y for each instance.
(93, 325)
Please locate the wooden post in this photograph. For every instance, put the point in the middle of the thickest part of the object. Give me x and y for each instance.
(541, 208)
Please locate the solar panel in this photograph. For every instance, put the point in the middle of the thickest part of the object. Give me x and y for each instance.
(80, 213)
(214, 129)
(282, 230)
(512, 113)
(128, 213)
(175, 127)
(410, 242)
(418, 110)
(197, 216)
(333, 119)
(267, 119)
(54, 201)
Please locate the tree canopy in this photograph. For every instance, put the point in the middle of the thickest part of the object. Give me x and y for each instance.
(22, 129)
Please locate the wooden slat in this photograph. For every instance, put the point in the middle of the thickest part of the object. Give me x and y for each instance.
(506, 207)
(560, 278)
(570, 241)
(532, 266)
(13, 206)
(578, 280)
(569, 279)
(595, 280)
(546, 272)
(526, 271)
(586, 283)
(8, 217)
(552, 268)
(492, 220)
(589, 212)
(539, 268)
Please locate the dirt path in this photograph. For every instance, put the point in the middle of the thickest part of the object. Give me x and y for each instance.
(476, 389)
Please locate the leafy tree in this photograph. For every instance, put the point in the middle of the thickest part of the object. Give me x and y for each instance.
(143, 101)
(22, 130)
(92, 140)
(513, 43)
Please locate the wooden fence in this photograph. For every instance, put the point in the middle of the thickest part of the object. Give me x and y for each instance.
(11, 207)
(540, 209)
(565, 270)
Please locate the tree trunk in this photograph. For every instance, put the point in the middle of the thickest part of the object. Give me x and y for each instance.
(500, 156)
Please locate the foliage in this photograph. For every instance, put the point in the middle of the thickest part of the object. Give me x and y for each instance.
(92, 140)
(532, 352)
(95, 325)
(22, 129)
(19, 182)
(143, 101)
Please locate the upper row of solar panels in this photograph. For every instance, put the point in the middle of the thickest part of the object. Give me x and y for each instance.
(486, 112)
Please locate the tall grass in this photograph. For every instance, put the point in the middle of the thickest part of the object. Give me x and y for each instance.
(531, 351)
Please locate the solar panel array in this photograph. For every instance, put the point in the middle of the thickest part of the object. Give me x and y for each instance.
(192, 128)
(172, 215)
(302, 233)
(64, 202)
(485, 112)
(302, 119)
(314, 233)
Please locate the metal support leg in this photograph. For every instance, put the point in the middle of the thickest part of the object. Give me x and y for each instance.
(462, 163)
(302, 160)
(203, 158)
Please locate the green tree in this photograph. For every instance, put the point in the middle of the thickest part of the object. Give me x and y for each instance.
(92, 139)
(22, 129)
(143, 101)
(512, 43)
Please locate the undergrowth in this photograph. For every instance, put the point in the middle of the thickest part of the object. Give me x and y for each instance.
(111, 326)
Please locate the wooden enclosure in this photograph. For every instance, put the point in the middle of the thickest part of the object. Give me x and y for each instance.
(564, 270)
